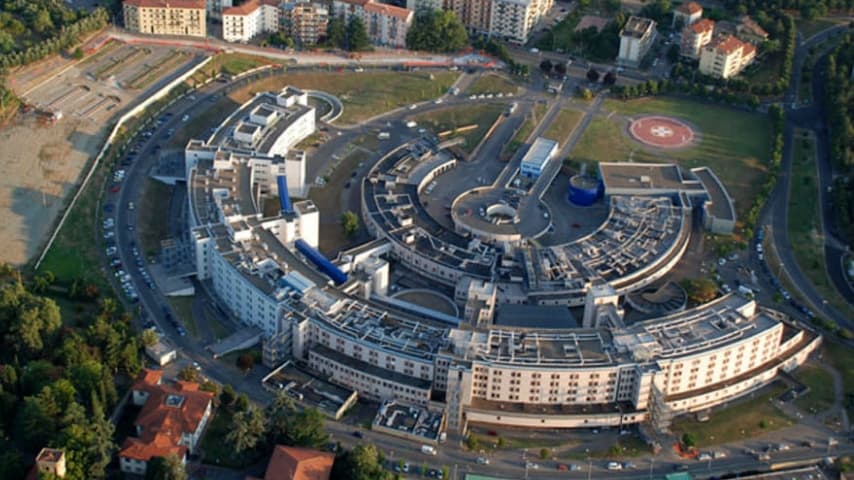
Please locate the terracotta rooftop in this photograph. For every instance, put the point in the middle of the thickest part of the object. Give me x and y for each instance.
(727, 45)
(702, 26)
(388, 10)
(196, 4)
(361, 3)
(169, 412)
(689, 8)
(290, 463)
(243, 9)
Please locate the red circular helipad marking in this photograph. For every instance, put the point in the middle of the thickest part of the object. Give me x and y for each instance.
(661, 132)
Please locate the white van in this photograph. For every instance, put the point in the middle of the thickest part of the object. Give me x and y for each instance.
(427, 449)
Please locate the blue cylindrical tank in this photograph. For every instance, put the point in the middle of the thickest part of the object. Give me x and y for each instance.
(584, 190)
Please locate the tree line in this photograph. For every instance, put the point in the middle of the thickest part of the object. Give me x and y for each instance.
(349, 35)
(839, 102)
(58, 381)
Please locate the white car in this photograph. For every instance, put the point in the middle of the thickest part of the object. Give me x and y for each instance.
(615, 466)
(535, 50)
(482, 461)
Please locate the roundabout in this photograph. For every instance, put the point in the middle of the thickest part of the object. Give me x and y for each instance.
(661, 132)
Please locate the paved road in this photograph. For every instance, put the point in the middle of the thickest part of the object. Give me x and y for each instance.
(776, 209)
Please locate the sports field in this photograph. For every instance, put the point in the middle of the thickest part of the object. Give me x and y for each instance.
(735, 144)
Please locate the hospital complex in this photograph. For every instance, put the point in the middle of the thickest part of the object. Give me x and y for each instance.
(542, 338)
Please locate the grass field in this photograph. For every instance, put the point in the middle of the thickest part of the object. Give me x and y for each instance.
(734, 144)
(808, 28)
(183, 307)
(492, 83)
(364, 95)
(839, 356)
(74, 253)
(805, 230)
(564, 123)
(153, 202)
(820, 383)
(742, 420)
(626, 447)
(482, 115)
(525, 130)
(328, 201)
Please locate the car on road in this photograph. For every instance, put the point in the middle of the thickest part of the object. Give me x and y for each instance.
(532, 466)
(482, 461)
(614, 466)
(704, 457)
(115, 189)
(434, 473)
(358, 434)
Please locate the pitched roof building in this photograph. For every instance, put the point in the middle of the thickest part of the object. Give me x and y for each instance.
(726, 57)
(695, 37)
(171, 421)
(291, 463)
(688, 13)
(165, 17)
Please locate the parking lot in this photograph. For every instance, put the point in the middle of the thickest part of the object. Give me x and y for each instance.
(71, 106)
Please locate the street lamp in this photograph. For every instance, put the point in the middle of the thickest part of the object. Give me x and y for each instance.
(589, 463)
(651, 465)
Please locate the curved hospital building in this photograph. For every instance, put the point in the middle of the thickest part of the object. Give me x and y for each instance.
(339, 318)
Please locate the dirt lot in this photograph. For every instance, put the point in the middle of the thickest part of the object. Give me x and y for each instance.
(42, 158)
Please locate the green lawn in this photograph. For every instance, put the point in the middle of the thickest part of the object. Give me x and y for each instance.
(628, 446)
(518, 443)
(521, 136)
(483, 115)
(745, 419)
(820, 383)
(153, 202)
(808, 28)
(492, 83)
(805, 231)
(183, 307)
(328, 201)
(75, 252)
(733, 143)
(839, 356)
(563, 124)
(363, 95)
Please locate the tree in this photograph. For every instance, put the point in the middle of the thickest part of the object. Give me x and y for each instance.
(593, 75)
(357, 35)
(336, 34)
(245, 362)
(544, 453)
(500, 442)
(165, 468)
(350, 223)
(700, 290)
(436, 31)
(228, 395)
(188, 374)
(610, 78)
(247, 429)
(149, 337)
(546, 66)
(361, 463)
(472, 443)
(307, 429)
(560, 68)
(279, 414)
(688, 440)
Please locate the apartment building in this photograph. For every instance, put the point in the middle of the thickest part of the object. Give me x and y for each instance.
(726, 57)
(636, 38)
(696, 36)
(429, 5)
(305, 22)
(476, 15)
(387, 25)
(687, 14)
(246, 21)
(166, 17)
(514, 20)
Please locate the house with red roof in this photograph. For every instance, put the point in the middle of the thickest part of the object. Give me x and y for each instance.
(386, 24)
(171, 421)
(688, 13)
(292, 463)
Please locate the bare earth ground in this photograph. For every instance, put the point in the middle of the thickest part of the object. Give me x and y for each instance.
(41, 162)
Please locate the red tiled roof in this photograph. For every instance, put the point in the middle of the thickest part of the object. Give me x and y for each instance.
(361, 3)
(388, 10)
(290, 463)
(162, 425)
(197, 4)
(244, 9)
(689, 8)
(702, 26)
(751, 26)
(728, 44)
(748, 50)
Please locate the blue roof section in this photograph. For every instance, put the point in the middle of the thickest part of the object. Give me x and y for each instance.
(284, 199)
(322, 263)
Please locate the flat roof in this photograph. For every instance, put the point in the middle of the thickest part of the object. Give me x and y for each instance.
(652, 176)
(637, 27)
(722, 206)
(540, 152)
(534, 316)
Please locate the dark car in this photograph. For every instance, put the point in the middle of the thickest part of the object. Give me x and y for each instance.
(358, 434)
